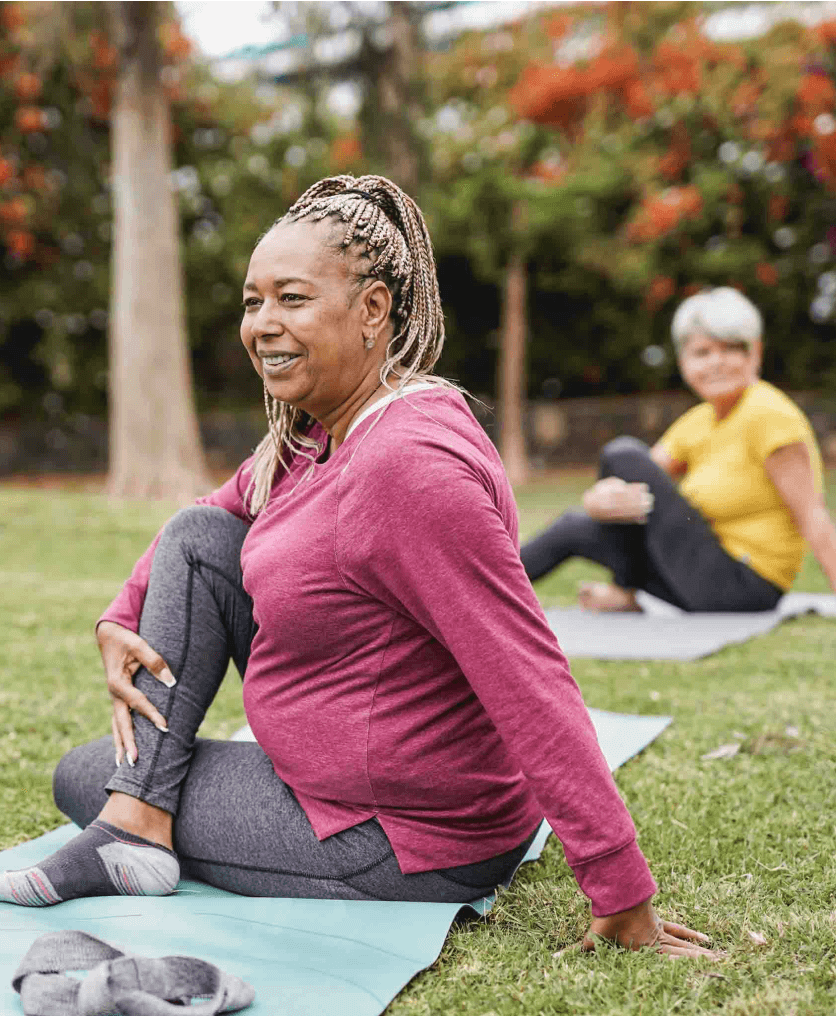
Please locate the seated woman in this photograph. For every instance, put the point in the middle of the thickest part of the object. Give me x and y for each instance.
(414, 715)
(731, 536)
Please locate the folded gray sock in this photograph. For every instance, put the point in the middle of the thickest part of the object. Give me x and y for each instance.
(102, 861)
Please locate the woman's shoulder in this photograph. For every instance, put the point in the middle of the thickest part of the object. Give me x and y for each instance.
(763, 393)
(427, 437)
(428, 421)
(425, 464)
(766, 401)
(697, 414)
(773, 420)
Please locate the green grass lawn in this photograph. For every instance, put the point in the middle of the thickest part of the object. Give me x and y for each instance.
(742, 848)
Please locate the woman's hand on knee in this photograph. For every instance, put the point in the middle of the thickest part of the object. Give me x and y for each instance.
(642, 928)
(614, 500)
(123, 653)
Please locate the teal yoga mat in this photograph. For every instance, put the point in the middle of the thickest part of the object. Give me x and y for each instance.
(303, 957)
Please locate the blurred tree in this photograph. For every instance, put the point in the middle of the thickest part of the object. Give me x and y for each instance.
(511, 386)
(384, 46)
(649, 161)
(391, 74)
(482, 204)
(155, 448)
(105, 61)
(52, 200)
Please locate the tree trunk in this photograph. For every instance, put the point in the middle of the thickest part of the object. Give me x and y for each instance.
(155, 448)
(511, 368)
(393, 104)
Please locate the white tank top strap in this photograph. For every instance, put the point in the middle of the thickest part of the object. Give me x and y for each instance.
(417, 386)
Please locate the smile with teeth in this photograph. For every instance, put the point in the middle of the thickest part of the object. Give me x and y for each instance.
(278, 361)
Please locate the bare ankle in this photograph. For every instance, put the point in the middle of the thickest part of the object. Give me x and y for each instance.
(606, 597)
(138, 817)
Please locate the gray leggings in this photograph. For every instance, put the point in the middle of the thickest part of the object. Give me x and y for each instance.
(237, 825)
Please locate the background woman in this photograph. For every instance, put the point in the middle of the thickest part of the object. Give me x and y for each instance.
(415, 717)
(731, 537)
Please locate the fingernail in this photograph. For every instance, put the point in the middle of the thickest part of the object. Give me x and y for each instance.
(118, 760)
(160, 726)
(130, 760)
(168, 678)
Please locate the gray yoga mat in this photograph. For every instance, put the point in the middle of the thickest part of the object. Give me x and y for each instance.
(663, 632)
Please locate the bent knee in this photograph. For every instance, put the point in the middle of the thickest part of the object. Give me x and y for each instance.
(623, 448)
(66, 778)
(574, 518)
(201, 520)
(625, 444)
(196, 518)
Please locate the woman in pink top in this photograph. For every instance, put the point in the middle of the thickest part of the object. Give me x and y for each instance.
(414, 716)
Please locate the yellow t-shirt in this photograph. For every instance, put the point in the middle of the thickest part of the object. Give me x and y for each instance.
(727, 482)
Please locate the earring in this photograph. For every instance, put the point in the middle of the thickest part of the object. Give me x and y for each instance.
(369, 343)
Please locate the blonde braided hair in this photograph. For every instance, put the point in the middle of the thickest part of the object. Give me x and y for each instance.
(384, 227)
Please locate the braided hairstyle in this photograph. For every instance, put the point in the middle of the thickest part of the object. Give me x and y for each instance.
(384, 231)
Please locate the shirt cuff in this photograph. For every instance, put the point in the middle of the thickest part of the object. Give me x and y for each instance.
(617, 881)
(125, 609)
(123, 621)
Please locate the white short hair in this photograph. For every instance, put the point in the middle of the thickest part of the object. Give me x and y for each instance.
(723, 313)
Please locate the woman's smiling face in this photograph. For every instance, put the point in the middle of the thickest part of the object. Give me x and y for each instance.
(718, 372)
(303, 320)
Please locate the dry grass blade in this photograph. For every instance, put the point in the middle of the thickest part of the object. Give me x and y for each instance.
(772, 744)
(723, 751)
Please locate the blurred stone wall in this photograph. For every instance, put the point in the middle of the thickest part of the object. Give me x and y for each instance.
(560, 432)
(78, 444)
(563, 432)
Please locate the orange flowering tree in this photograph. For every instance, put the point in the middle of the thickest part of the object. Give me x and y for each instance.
(721, 168)
(653, 160)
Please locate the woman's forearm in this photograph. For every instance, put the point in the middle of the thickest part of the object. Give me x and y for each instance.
(589, 500)
(820, 534)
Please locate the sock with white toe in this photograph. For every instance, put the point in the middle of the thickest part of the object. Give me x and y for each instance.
(102, 861)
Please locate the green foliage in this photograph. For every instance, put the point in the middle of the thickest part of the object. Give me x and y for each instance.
(242, 155)
(592, 182)
(727, 177)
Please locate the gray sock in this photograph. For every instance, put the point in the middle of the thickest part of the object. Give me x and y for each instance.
(102, 861)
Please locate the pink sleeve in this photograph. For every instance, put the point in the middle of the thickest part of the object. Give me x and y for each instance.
(433, 544)
(127, 607)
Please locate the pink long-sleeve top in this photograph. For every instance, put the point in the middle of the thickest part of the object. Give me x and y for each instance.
(403, 668)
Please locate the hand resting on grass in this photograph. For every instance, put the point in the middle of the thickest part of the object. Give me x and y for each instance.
(641, 927)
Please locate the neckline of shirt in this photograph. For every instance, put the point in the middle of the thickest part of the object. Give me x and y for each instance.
(321, 468)
(418, 386)
(318, 469)
(747, 391)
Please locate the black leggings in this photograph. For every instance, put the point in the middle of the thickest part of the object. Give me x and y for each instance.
(675, 555)
(237, 825)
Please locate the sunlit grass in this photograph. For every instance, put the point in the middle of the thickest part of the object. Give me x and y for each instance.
(739, 845)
